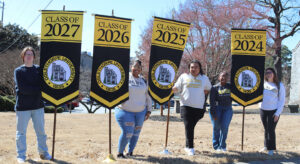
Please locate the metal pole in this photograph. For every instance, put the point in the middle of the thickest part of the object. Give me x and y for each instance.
(109, 129)
(161, 110)
(167, 130)
(243, 128)
(2, 13)
(54, 128)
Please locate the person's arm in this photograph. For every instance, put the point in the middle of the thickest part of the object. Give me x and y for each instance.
(148, 105)
(281, 100)
(207, 86)
(24, 88)
(178, 85)
(212, 102)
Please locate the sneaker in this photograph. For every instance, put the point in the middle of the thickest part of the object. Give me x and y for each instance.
(129, 154)
(45, 156)
(271, 152)
(189, 151)
(218, 150)
(223, 150)
(121, 155)
(263, 149)
(21, 160)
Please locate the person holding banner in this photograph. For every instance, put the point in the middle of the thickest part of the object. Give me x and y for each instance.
(192, 88)
(29, 104)
(220, 111)
(271, 108)
(131, 114)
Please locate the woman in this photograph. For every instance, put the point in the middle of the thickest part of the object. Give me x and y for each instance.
(131, 114)
(192, 88)
(271, 108)
(29, 104)
(220, 112)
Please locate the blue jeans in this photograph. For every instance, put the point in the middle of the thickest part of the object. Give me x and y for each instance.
(220, 126)
(131, 124)
(23, 118)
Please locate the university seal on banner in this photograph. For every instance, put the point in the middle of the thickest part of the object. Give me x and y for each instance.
(163, 74)
(247, 79)
(110, 76)
(59, 72)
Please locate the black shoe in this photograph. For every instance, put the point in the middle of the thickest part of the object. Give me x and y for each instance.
(129, 154)
(121, 155)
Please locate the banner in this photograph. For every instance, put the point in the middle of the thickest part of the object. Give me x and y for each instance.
(248, 49)
(60, 55)
(110, 72)
(168, 42)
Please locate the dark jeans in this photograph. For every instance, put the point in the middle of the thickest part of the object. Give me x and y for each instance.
(267, 118)
(190, 118)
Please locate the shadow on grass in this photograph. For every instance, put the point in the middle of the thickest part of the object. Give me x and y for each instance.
(164, 118)
(47, 162)
(165, 160)
(238, 156)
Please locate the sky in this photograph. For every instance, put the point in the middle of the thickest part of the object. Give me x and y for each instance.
(23, 12)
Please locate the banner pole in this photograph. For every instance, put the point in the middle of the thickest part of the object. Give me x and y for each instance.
(243, 128)
(109, 129)
(165, 151)
(110, 158)
(54, 128)
(161, 110)
(167, 130)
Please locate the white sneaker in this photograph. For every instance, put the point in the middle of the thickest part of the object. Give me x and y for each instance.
(189, 151)
(218, 150)
(271, 152)
(47, 156)
(223, 150)
(263, 149)
(21, 160)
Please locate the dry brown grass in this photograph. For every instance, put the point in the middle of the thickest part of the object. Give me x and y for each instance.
(83, 138)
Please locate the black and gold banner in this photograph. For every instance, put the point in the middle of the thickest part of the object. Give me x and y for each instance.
(60, 55)
(111, 57)
(248, 49)
(168, 42)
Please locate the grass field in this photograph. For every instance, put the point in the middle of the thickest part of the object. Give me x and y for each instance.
(83, 138)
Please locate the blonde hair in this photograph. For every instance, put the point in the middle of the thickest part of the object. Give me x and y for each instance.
(28, 48)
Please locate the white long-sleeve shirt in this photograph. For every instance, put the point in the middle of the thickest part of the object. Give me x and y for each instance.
(138, 96)
(271, 99)
(191, 90)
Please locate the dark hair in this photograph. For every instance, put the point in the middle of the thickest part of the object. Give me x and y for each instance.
(225, 73)
(197, 62)
(28, 48)
(275, 77)
(138, 61)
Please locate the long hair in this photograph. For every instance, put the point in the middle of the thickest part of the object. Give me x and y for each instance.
(275, 77)
(197, 62)
(28, 48)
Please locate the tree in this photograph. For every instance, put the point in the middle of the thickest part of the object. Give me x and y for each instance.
(283, 21)
(14, 33)
(209, 37)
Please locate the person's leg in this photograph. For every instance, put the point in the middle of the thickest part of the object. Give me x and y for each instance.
(126, 122)
(225, 121)
(23, 118)
(216, 129)
(271, 131)
(139, 120)
(264, 120)
(188, 124)
(39, 127)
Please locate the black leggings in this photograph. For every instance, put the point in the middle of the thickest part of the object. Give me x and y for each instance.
(190, 117)
(267, 118)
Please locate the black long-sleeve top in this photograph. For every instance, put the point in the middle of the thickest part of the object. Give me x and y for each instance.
(28, 88)
(219, 95)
